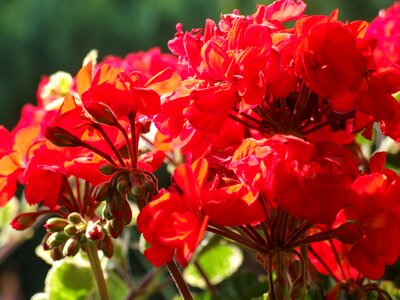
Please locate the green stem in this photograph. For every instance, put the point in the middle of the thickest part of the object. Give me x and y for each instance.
(179, 281)
(97, 271)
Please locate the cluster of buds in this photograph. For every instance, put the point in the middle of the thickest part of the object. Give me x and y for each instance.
(123, 185)
(65, 237)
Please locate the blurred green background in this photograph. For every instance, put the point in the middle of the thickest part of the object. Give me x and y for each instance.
(43, 36)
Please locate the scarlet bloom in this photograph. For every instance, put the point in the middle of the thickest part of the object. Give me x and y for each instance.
(16, 150)
(174, 223)
(113, 93)
(375, 209)
(308, 181)
(147, 63)
(331, 58)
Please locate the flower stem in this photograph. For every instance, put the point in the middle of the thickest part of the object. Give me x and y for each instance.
(97, 271)
(179, 281)
(135, 139)
(109, 142)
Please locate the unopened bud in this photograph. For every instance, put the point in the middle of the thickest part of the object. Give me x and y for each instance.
(108, 169)
(117, 205)
(56, 253)
(75, 218)
(94, 232)
(71, 247)
(102, 113)
(115, 227)
(136, 192)
(25, 220)
(122, 185)
(107, 213)
(61, 137)
(106, 245)
(101, 191)
(56, 239)
(55, 224)
(127, 217)
(70, 230)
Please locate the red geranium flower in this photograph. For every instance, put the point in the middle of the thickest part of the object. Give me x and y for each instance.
(174, 223)
(308, 181)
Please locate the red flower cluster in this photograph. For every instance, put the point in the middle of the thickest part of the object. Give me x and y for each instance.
(266, 116)
(274, 110)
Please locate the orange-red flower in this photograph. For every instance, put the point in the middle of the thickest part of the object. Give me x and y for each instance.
(375, 209)
(308, 181)
(174, 223)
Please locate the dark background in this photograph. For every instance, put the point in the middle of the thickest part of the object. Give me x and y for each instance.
(43, 36)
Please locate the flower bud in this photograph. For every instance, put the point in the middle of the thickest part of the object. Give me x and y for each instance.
(127, 217)
(75, 218)
(70, 230)
(56, 253)
(106, 245)
(56, 239)
(61, 137)
(106, 213)
(108, 169)
(115, 227)
(102, 113)
(122, 185)
(94, 232)
(55, 224)
(44, 241)
(71, 247)
(25, 220)
(101, 191)
(117, 205)
(136, 191)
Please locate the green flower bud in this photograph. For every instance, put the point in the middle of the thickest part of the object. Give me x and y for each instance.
(75, 218)
(55, 224)
(71, 247)
(56, 239)
(122, 185)
(108, 169)
(70, 230)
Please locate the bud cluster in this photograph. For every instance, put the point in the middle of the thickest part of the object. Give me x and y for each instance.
(123, 185)
(65, 237)
(116, 211)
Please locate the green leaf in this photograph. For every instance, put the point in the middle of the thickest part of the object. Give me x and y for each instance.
(218, 263)
(69, 280)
